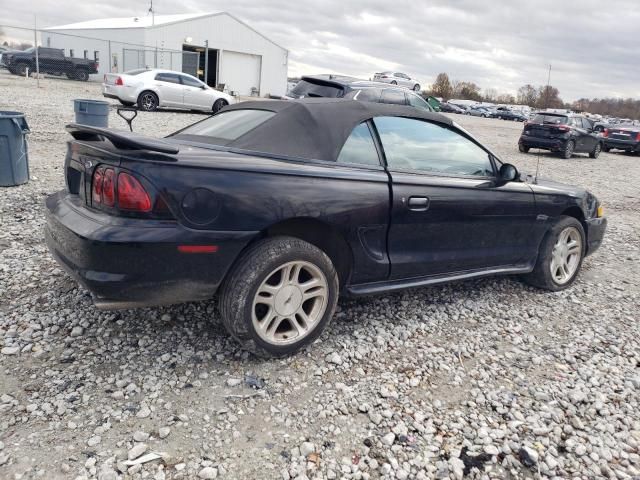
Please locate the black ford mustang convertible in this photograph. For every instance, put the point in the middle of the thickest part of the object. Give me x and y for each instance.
(279, 207)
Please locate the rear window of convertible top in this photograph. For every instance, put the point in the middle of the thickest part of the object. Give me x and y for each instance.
(225, 127)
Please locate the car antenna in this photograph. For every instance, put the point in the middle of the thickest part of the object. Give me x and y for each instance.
(546, 105)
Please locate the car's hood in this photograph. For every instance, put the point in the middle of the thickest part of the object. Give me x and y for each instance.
(547, 186)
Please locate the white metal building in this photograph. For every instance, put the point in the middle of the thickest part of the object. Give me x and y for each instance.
(227, 49)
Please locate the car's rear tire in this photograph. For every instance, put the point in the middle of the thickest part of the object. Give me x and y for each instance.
(81, 75)
(522, 148)
(567, 151)
(596, 150)
(416, 88)
(606, 149)
(148, 101)
(262, 301)
(393, 82)
(560, 256)
(218, 104)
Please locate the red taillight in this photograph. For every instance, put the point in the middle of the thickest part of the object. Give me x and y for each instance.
(605, 132)
(109, 187)
(119, 81)
(131, 194)
(563, 128)
(638, 137)
(98, 178)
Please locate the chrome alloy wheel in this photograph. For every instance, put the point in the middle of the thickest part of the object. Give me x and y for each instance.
(149, 101)
(566, 255)
(290, 303)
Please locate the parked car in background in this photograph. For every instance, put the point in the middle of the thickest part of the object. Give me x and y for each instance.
(336, 86)
(397, 78)
(479, 111)
(450, 108)
(279, 207)
(152, 89)
(564, 134)
(50, 61)
(506, 114)
(622, 137)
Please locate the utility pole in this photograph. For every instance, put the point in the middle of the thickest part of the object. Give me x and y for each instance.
(206, 62)
(546, 93)
(35, 44)
(153, 19)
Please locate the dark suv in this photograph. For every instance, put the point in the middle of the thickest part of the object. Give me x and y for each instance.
(337, 86)
(563, 133)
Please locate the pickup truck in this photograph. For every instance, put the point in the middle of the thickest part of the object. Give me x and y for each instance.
(51, 61)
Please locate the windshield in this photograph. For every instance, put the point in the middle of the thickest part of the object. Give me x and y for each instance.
(551, 119)
(310, 88)
(225, 127)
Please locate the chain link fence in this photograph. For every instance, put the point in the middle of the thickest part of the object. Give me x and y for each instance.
(83, 58)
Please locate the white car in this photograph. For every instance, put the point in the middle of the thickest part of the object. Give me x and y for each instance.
(397, 78)
(150, 89)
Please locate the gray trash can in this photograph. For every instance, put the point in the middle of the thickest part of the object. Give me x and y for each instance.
(92, 112)
(14, 156)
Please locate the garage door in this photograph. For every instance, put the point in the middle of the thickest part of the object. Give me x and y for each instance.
(240, 72)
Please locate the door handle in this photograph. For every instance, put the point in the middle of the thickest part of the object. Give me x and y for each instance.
(418, 204)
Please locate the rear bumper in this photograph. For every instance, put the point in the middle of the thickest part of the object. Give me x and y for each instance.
(553, 144)
(126, 94)
(595, 233)
(130, 262)
(618, 144)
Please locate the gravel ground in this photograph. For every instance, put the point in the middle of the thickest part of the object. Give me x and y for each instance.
(482, 379)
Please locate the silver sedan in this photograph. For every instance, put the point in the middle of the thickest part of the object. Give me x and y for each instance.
(398, 78)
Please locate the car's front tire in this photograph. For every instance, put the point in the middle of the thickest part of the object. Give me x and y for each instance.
(21, 69)
(560, 256)
(218, 104)
(416, 88)
(522, 148)
(567, 151)
(393, 82)
(279, 297)
(148, 101)
(595, 153)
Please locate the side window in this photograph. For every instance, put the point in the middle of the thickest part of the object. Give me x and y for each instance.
(168, 77)
(369, 95)
(586, 124)
(190, 82)
(575, 122)
(420, 145)
(419, 102)
(394, 96)
(359, 147)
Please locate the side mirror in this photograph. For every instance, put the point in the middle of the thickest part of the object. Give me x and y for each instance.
(508, 173)
(203, 87)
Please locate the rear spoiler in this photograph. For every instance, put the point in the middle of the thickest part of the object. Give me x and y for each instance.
(120, 138)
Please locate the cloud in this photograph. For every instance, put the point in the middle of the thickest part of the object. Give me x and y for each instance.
(500, 45)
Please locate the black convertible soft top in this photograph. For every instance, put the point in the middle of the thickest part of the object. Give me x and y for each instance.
(315, 128)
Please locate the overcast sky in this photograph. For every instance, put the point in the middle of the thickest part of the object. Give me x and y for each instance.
(592, 45)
